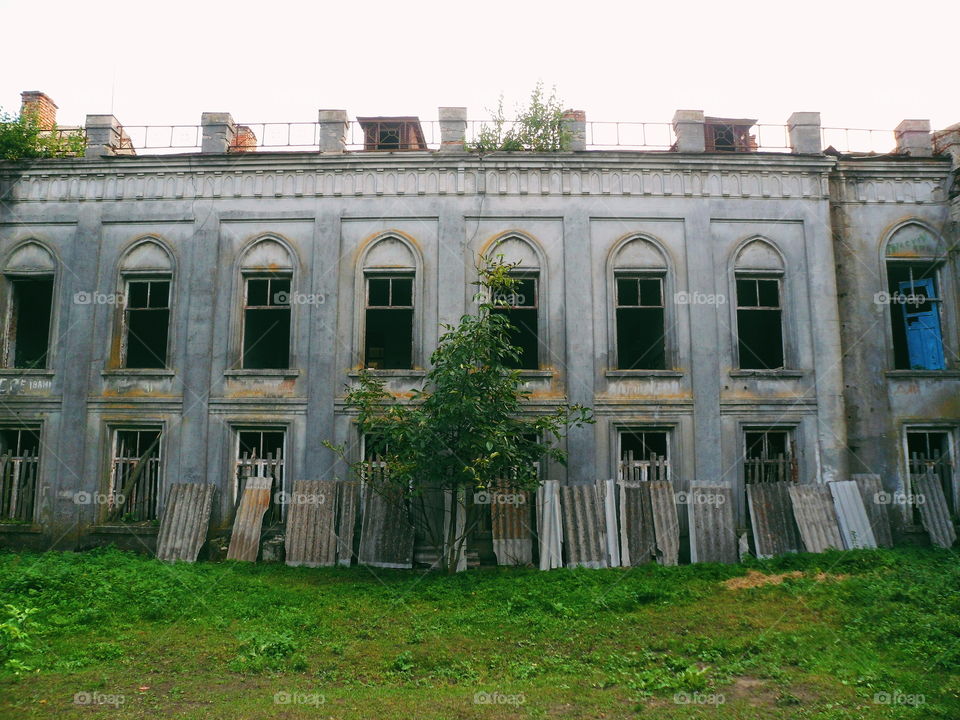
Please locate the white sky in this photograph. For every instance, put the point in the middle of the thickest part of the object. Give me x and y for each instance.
(861, 64)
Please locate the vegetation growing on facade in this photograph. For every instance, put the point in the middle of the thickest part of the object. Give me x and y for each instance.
(466, 433)
(23, 138)
(538, 126)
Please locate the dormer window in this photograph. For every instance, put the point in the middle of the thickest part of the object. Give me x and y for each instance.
(729, 135)
(392, 133)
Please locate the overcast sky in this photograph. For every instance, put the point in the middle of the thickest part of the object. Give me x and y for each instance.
(861, 64)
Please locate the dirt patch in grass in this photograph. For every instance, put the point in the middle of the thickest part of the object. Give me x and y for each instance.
(754, 578)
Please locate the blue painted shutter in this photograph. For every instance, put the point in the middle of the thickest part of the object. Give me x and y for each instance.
(922, 325)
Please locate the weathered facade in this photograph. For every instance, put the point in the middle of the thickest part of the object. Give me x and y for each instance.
(728, 310)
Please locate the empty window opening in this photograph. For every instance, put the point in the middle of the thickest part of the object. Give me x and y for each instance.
(729, 135)
(266, 323)
(146, 323)
(929, 452)
(521, 307)
(644, 454)
(640, 323)
(915, 316)
(759, 323)
(389, 323)
(261, 453)
(28, 324)
(135, 475)
(19, 470)
(769, 456)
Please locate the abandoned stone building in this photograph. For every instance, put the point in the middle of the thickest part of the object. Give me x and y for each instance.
(735, 301)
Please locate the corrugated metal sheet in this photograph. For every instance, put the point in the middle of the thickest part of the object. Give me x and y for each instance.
(665, 523)
(512, 539)
(816, 518)
(851, 515)
(386, 535)
(608, 500)
(871, 491)
(712, 530)
(583, 526)
(186, 517)
(311, 519)
(348, 493)
(771, 519)
(245, 538)
(549, 527)
(637, 536)
(934, 511)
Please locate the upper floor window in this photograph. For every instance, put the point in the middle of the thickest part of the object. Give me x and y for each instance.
(915, 310)
(266, 322)
(29, 273)
(389, 322)
(759, 323)
(641, 330)
(146, 323)
(521, 307)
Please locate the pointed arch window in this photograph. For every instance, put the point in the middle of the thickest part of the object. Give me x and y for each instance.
(758, 288)
(29, 276)
(267, 277)
(639, 293)
(146, 274)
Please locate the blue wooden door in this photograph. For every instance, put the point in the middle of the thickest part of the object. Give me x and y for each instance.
(921, 321)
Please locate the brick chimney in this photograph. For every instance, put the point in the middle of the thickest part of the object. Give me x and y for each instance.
(244, 141)
(34, 102)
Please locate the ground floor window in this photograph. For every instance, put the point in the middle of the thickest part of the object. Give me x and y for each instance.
(136, 468)
(19, 469)
(644, 454)
(261, 452)
(931, 451)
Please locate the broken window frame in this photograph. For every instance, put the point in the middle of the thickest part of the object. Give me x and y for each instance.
(640, 275)
(10, 319)
(150, 485)
(245, 278)
(20, 473)
(931, 268)
(648, 468)
(389, 274)
(763, 467)
(738, 276)
(276, 513)
(947, 470)
(535, 275)
(124, 310)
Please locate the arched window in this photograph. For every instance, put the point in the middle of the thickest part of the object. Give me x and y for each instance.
(29, 274)
(523, 304)
(758, 275)
(266, 270)
(914, 256)
(146, 275)
(639, 293)
(389, 286)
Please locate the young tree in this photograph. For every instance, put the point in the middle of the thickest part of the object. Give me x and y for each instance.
(465, 432)
(23, 138)
(538, 127)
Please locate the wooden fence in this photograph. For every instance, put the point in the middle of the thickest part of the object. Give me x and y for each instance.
(636, 470)
(770, 469)
(18, 486)
(134, 496)
(272, 465)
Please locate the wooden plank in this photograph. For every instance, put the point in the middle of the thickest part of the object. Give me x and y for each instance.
(816, 517)
(245, 538)
(771, 518)
(311, 538)
(873, 495)
(185, 521)
(666, 525)
(712, 530)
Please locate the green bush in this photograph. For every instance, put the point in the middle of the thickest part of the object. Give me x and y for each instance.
(22, 138)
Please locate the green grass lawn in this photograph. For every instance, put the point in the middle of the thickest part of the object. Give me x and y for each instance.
(865, 634)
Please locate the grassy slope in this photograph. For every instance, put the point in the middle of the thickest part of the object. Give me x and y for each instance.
(221, 640)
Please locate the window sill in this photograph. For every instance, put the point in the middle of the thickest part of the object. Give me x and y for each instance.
(389, 373)
(767, 373)
(266, 372)
(125, 529)
(910, 374)
(36, 372)
(644, 373)
(13, 527)
(537, 373)
(138, 372)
